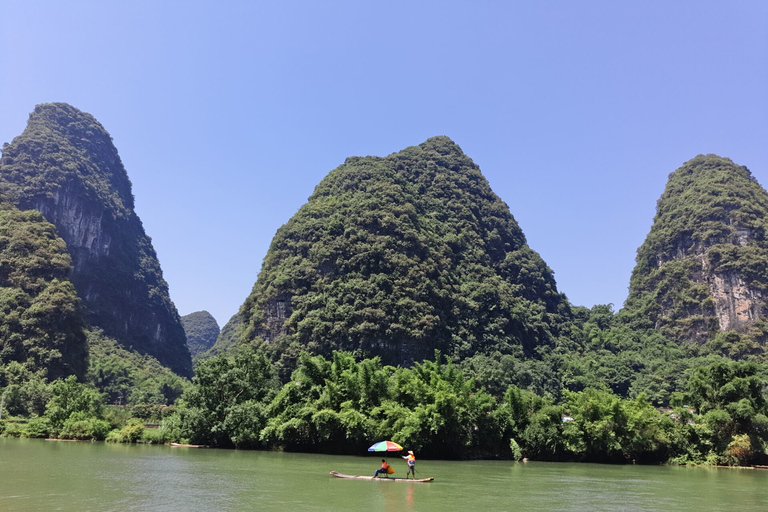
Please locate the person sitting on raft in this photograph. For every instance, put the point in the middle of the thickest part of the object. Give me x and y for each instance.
(383, 469)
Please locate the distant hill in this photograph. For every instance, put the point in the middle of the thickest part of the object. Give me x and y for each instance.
(398, 256)
(41, 323)
(202, 330)
(228, 337)
(65, 166)
(703, 268)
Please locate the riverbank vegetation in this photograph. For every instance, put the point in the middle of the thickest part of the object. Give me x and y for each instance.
(342, 405)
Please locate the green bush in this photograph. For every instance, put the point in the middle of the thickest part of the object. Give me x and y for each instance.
(38, 427)
(131, 433)
(83, 427)
(517, 453)
(149, 412)
(117, 416)
(170, 429)
(13, 429)
(152, 436)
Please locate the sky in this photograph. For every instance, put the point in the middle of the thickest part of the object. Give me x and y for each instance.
(227, 114)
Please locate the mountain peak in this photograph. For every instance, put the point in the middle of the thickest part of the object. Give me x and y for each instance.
(398, 256)
(65, 166)
(700, 270)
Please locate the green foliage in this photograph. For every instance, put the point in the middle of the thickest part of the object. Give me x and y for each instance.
(153, 436)
(439, 412)
(70, 399)
(65, 165)
(739, 451)
(201, 330)
(711, 224)
(38, 427)
(401, 255)
(225, 405)
(132, 432)
(228, 338)
(82, 426)
(126, 377)
(326, 406)
(41, 325)
(608, 429)
(731, 400)
(171, 429)
(26, 392)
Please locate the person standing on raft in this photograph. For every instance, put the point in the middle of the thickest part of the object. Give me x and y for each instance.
(411, 460)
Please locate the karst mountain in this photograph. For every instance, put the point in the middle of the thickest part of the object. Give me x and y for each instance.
(65, 166)
(703, 268)
(201, 330)
(401, 255)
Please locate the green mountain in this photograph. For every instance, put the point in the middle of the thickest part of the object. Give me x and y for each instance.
(65, 166)
(398, 256)
(228, 337)
(41, 323)
(202, 330)
(703, 268)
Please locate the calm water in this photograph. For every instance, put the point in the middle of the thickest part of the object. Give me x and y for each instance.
(42, 475)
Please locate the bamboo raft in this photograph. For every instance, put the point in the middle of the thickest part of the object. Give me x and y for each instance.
(381, 479)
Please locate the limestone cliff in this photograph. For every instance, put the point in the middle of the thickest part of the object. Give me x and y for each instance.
(65, 165)
(703, 268)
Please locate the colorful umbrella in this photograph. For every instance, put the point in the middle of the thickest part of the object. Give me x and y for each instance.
(385, 446)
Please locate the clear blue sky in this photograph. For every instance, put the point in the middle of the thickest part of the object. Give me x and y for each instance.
(227, 114)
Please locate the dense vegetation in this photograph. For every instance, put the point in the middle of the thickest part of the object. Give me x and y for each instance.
(340, 405)
(65, 166)
(401, 302)
(400, 256)
(710, 234)
(41, 325)
(127, 377)
(201, 330)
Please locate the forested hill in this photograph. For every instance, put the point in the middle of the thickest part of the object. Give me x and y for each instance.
(398, 256)
(201, 329)
(41, 325)
(65, 166)
(703, 269)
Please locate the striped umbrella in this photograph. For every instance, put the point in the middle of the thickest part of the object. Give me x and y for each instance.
(385, 446)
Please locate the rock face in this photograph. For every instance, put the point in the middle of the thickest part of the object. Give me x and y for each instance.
(202, 330)
(703, 267)
(399, 256)
(65, 166)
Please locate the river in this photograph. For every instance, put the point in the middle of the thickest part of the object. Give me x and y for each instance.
(37, 475)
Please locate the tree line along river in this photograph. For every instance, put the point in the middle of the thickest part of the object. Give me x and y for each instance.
(83, 476)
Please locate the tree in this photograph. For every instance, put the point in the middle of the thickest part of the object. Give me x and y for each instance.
(225, 403)
(730, 400)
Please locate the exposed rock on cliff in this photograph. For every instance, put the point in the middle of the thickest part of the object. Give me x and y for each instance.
(65, 166)
(402, 255)
(704, 266)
